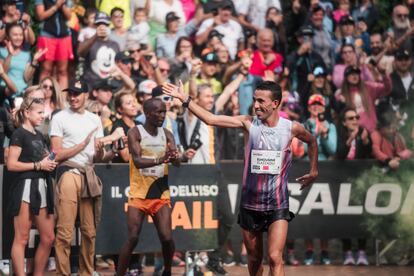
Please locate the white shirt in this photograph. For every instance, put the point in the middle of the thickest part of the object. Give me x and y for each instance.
(159, 9)
(232, 32)
(406, 82)
(202, 155)
(73, 128)
(255, 10)
(86, 33)
(139, 32)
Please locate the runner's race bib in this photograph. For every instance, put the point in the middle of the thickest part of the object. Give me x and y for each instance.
(157, 171)
(266, 161)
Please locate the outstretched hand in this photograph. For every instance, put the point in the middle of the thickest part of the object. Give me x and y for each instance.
(175, 91)
(307, 180)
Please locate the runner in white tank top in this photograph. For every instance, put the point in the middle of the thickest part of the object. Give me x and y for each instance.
(264, 204)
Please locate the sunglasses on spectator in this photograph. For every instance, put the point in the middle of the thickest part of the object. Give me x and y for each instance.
(351, 118)
(134, 51)
(45, 86)
(166, 99)
(402, 15)
(164, 70)
(99, 113)
(36, 101)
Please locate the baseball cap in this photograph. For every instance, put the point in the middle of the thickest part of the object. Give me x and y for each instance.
(305, 31)
(77, 86)
(215, 33)
(171, 16)
(102, 18)
(402, 54)
(209, 57)
(157, 91)
(346, 20)
(146, 86)
(316, 99)
(105, 84)
(319, 71)
(352, 70)
(225, 5)
(123, 56)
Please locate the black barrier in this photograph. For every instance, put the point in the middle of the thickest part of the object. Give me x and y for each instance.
(323, 211)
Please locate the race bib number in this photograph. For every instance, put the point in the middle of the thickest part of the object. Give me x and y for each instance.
(266, 161)
(157, 171)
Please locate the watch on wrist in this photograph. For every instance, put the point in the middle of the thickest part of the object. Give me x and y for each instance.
(187, 102)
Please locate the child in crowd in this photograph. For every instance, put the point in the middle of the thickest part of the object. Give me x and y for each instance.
(140, 28)
(89, 21)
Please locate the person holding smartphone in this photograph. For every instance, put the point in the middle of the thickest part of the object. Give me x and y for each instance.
(31, 197)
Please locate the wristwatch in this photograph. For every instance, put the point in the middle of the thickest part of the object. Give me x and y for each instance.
(187, 102)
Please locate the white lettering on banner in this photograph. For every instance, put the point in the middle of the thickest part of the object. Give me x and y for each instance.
(343, 201)
(323, 191)
(115, 192)
(193, 190)
(393, 204)
(295, 190)
(408, 205)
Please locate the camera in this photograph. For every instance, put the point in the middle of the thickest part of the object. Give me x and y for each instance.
(196, 144)
(321, 117)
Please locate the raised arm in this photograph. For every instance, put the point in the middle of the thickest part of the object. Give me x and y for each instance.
(204, 115)
(302, 134)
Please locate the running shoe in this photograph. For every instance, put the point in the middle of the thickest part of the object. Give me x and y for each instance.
(362, 258)
(201, 259)
(4, 267)
(243, 260)
(291, 259)
(309, 257)
(228, 260)
(325, 260)
(216, 268)
(349, 258)
(100, 263)
(158, 265)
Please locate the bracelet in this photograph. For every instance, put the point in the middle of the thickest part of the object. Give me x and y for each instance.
(187, 102)
(40, 166)
(34, 65)
(34, 166)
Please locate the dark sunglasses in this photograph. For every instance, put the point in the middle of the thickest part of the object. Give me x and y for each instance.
(402, 15)
(134, 51)
(351, 118)
(162, 70)
(44, 86)
(36, 101)
(99, 113)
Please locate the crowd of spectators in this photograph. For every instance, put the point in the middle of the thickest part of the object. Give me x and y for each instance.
(349, 81)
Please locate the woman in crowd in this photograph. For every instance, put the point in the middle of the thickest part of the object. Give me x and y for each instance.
(362, 95)
(180, 65)
(55, 36)
(16, 61)
(54, 99)
(32, 194)
(274, 21)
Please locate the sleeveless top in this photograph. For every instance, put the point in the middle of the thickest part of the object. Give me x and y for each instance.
(267, 161)
(152, 182)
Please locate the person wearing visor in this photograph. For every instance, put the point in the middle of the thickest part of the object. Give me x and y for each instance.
(207, 71)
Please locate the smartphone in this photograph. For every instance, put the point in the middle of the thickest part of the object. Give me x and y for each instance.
(321, 117)
(372, 62)
(52, 155)
(196, 144)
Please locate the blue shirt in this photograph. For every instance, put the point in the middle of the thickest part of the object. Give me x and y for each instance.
(17, 68)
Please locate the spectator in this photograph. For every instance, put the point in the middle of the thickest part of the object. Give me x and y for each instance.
(9, 88)
(274, 22)
(121, 73)
(54, 100)
(322, 129)
(99, 51)
(264, 58)
(302, 61)
(126, 105)
(401, 31)
(31, 197)
(343, 9)
(353, 139)
(165, 69)
(224, 62)
(349, 58)
(119, 33)
(321, 40)
(106, 6)
(145, 91)
(367, 12)
(402, 94)
(55, 36)
(181, 64)
(253, 14)
(207, 71)
(379, 53)
(90, 29)
(362, 95)
(166, 42)
(388, 145)
(230, 29)
(12, 15)
(102, 94)
(16, 61)
(140, 28)
(294, 19)
(348, 34)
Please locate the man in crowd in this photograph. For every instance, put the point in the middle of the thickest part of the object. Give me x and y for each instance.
(152, 147)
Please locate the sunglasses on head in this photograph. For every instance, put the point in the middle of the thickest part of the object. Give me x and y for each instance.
(36, 101)
(166, 99)
(351, 118)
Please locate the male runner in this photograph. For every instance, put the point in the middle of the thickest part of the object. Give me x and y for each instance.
(152, 148)
(265, 200)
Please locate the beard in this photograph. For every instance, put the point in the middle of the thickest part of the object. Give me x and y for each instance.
(401, 24)
(376, 50)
